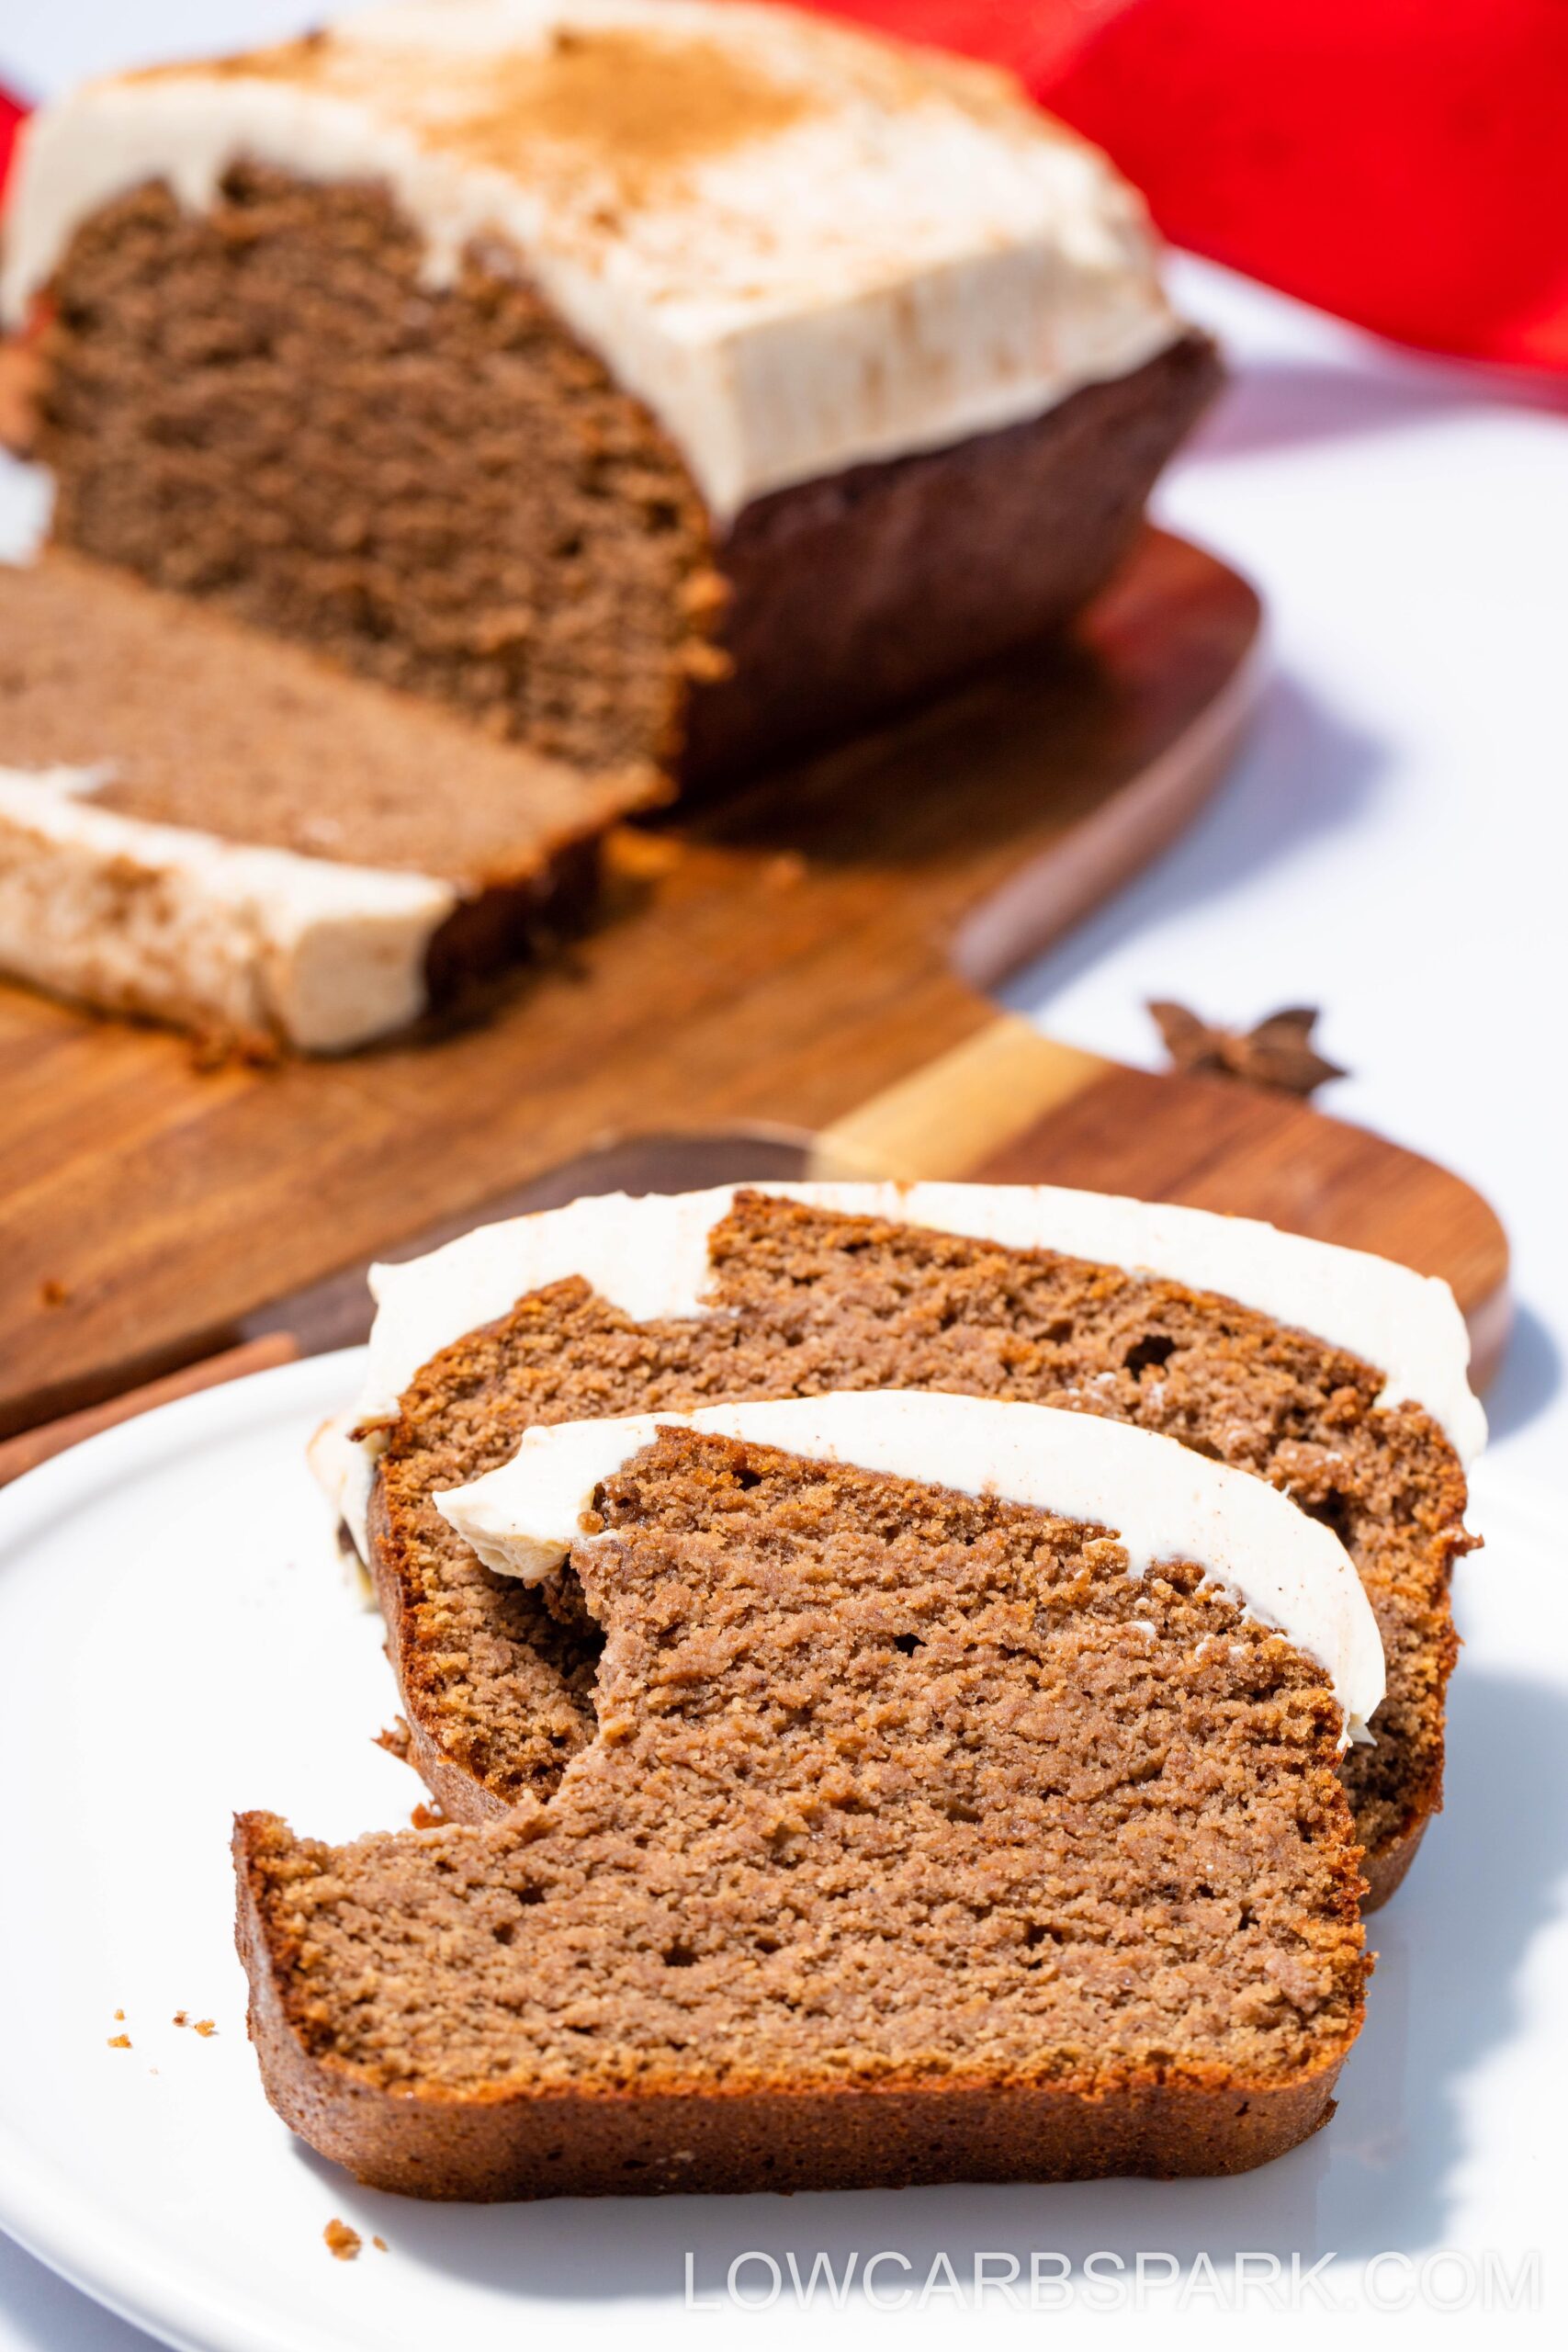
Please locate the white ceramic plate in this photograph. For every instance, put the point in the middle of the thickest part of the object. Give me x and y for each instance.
(177, 1640)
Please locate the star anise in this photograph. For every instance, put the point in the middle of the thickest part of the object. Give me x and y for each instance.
(1278, 1053)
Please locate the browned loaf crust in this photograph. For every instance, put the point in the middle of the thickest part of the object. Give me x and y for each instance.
(497, 1679)
(918, 1841)
(264, 405)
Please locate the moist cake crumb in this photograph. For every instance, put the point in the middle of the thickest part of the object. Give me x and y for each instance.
(510, 533)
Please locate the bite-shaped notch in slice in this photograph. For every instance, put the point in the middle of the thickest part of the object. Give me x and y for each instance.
(925, 1835)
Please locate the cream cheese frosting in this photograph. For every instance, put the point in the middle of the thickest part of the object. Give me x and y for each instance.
(802, 246)
(1159, 1500)
(134, 916)
(650, 1257)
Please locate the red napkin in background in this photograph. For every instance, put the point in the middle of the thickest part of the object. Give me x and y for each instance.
(10, 116)
(1403, 163)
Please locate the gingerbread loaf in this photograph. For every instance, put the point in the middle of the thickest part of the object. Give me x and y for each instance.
(1337, 1377)
(651, 379)
(962, 1805)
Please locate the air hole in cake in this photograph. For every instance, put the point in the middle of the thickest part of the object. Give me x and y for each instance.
(679, 1956)
(1156, 1348)
(907, 1643)
(1336, 1512)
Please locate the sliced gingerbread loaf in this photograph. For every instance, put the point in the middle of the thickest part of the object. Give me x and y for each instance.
(650, 379)
(927, 1834)
(203, 825)
(1135, 1314)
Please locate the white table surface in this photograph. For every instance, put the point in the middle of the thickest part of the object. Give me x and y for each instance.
(1393, 845)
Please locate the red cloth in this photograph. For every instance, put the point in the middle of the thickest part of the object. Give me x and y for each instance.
(10, 116)
(1403, 163)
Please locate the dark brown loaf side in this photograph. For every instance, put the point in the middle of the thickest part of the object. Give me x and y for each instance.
(917, 1841)
(497, 1677)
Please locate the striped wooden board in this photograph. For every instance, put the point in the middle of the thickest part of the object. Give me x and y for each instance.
(795, 980)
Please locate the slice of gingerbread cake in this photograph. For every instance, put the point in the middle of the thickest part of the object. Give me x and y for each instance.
(650, 378)
(203, 825)
(1337, 1377)
(961, 1805)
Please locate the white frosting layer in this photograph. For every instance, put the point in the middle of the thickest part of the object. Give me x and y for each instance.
(1162, 1502)
(159, 919)
(890, 252)
(345, 1472)
(650, 1257)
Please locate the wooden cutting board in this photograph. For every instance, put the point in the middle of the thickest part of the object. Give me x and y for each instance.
(792, 982)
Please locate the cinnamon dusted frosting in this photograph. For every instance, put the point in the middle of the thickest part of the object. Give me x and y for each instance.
(139, 917)
(1160, 1500)
(802, 246)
